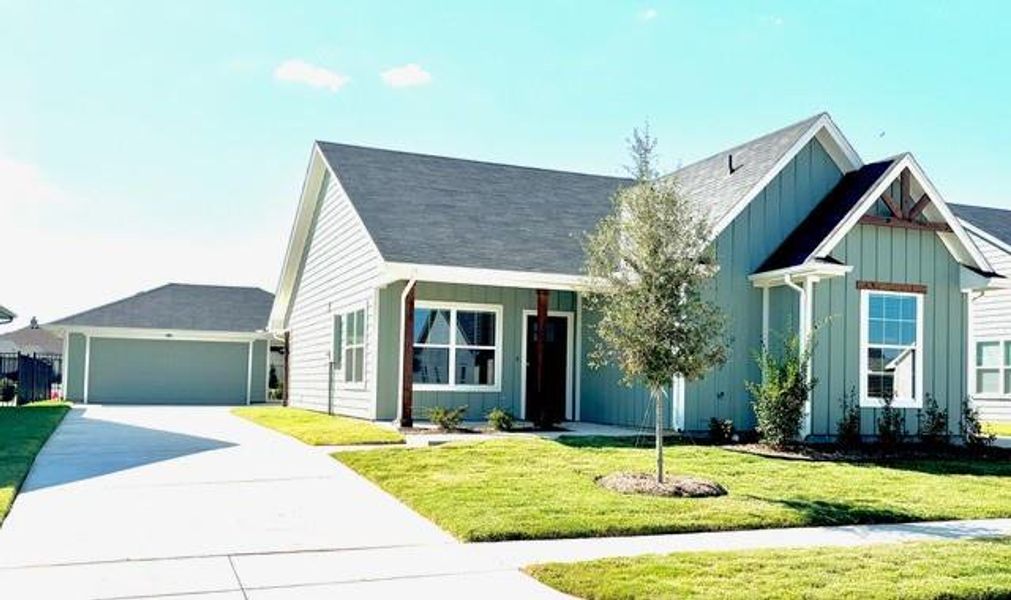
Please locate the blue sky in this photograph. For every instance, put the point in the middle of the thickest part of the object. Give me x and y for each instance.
(145, 142)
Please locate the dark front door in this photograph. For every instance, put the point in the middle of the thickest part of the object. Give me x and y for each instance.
(552, 393)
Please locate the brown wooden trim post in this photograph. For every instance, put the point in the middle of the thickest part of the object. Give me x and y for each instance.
(540, 406)
(407, 372)
(287, 352)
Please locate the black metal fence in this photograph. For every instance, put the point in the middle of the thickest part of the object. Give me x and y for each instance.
(28, 378)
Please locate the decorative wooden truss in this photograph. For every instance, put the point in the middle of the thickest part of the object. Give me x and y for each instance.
(905, 212)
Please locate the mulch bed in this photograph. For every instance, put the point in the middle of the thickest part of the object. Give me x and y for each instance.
(672, 487)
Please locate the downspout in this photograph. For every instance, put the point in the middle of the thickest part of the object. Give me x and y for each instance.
(400, 372)
(804, 330)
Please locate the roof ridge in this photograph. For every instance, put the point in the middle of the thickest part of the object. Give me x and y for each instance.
(472, 161)
(211, 285)
(111, 303)
(812, 119)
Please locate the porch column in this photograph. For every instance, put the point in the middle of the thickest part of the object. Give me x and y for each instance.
(407, 357)
(540, 406)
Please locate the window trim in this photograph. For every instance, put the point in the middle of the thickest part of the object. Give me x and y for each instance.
(453, 307)
(917, 400)
(1001, 368)
(341, 374)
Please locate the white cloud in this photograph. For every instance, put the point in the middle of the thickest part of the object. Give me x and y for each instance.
(648, 14)
(299, 71)
(408, 75)
(23, 186)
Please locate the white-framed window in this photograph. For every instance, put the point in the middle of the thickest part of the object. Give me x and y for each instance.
(993, 368)
(457, 347)
(353, 355)
(891, 348)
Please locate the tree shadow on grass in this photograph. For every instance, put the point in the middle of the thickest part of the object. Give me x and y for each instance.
(827, 512)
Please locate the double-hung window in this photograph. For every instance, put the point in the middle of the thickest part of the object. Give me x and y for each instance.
(993, 368)
(354, 347)
(457, 347)
(891, 348)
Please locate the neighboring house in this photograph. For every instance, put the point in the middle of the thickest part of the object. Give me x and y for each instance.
(6, 316)
(31, 340)
(175, 344)
(468, 258)
(990, 335)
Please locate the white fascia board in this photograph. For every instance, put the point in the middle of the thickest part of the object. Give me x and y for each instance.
(816, 270)
(992, 239)
(830, 137)
(394, 271)
(961, 247)
(160, 334)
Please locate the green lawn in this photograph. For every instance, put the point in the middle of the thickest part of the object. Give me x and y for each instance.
(23, 431)
(1001, 429)
(318, 429)
(970, 569)
(534, 488)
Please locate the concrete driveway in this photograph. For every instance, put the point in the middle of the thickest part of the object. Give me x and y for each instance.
(150, 501)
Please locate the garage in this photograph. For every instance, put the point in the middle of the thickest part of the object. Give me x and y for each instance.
(177, 344)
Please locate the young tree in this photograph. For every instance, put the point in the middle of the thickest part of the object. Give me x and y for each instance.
(648, 264)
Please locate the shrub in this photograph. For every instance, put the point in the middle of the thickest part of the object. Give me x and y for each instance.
(447, 419)
(780, 398)
(972, 427)
(891, 424)
(933, 429)
(500, 420)
(721, 430)
(848, 427)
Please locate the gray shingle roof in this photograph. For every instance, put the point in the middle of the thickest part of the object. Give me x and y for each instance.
(6, 315)
(995, 221)
(802, 241)
(435, 210)
(31, 340)
(183, 306)
(446, 211)
(710, 182)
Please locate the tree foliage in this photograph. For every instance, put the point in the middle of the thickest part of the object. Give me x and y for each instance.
(649, 263)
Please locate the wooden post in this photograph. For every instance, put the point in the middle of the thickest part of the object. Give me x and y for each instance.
(541, 405)
(905, 198)
(287, 352)
(407, 368)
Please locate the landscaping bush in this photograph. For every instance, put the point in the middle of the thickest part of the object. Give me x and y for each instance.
(891, 424)
(500, 420)
(933, 429)
(848, 427)
(972, 428)
(447, 419)
(721, 431)
(780, 397)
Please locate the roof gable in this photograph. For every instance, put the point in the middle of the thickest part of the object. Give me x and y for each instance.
(179, 306)
(994, 224)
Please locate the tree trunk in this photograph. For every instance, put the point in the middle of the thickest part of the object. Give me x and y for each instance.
(658, 401)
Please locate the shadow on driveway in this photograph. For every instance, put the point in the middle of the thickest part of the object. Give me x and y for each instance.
(84, 447)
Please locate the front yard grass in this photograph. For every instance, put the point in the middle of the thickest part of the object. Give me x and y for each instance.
(969, 569)
(535, 488)
(319, 429)
(23, 432)
(999, 429)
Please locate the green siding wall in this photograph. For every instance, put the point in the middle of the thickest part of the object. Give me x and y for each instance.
(167, 372)
(901, 256)
(513, 301)
(741, 248)
(74, 367)
(258, 381)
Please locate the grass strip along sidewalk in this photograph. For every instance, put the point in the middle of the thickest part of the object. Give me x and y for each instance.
(536, 488)
(921, 570)
(319, 429)
(23, 432)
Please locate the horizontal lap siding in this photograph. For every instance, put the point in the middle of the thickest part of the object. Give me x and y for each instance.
(741, 248)
(340, 272)
(899, 256)
(513, 301)
(991, 318)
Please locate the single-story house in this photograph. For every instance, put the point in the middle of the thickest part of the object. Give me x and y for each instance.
(413, 281)
(31, 340)
(175, 344)
(990, 314)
